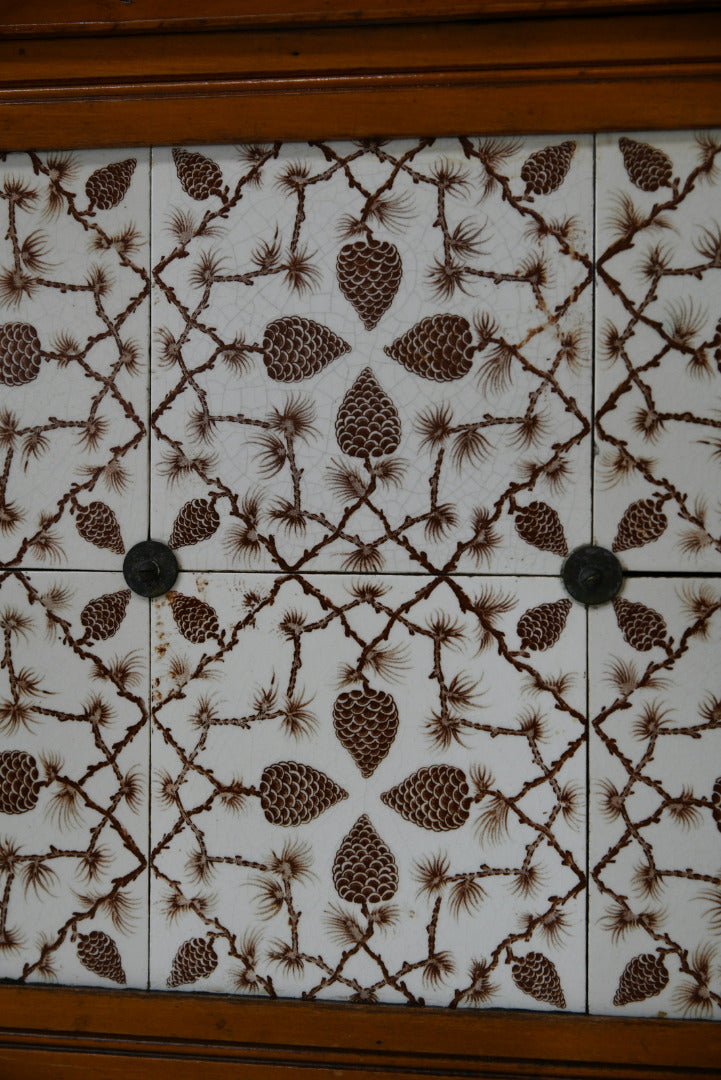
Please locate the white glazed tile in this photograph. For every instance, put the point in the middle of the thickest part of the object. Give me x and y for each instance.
(73, 780)
(74, 327)
(658, 373)
(278, 697)
(467, 297)
(655, 802)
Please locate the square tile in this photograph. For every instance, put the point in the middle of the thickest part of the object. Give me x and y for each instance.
(658, 374)
(373, 356)
(73, 780)
(74, 328)
(655, 898)
(369, 790)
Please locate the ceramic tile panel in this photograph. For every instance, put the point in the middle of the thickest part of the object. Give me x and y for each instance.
(373, 356)
(369, 789)
(658, 373)
(655, 800)
(74, 336)
(73, 779)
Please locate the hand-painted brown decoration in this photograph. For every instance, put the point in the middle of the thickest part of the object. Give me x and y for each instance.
(364, 869)
(644, 976)
(99, 953)
(436, 797)
(20, 353)
(539, 524)
(541, 627)
(369, 275)
(108, 186)
(292, 793)
(440, 348)
(102, 616)
(197, 520)
(98, 524)
(196, 620)
(648, 167)
(642, 627)
(195, 959)
(296, 348)
(367, 424)
(545, 171)
(19, 782)
(366, 722)
(199, 176)
(716, 803)
(537, 976)
(642, 523)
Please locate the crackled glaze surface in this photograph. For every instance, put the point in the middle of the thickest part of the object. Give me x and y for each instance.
(371, 394)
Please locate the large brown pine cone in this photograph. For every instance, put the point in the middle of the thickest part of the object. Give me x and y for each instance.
(539, 524)
(436, 797)
(364, 869)
(716, 803)
(536, 975)
(644, 976)
(195, 959)
(196, 620)
(439, 348)
(97, 524)
(102, 616)
(369, 274)
(546, 170)
(642, 523)
(366, 722)
(107, 187)
(292, 793)
(199, 176)
(295, 348)
(540, 627)
(19, 782)
(197, 520)
(99, 953)
(641, 626)
(367, 423)
(648, 167)
(19, 353)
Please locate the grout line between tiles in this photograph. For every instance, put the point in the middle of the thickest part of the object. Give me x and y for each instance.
(594, 285)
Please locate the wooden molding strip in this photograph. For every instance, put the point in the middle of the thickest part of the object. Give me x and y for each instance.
(166, 1034)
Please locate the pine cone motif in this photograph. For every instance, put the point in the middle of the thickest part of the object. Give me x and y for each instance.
(195, 959)
(292, 793)
(648, 168)
(19, 782)
(716, 803)
(439, 348)
(369, 274)
(540, 627)
(99, 953)
(643, 977)
(364, 869)
(366, 722)
(199, 176)
(107, 187)
(102, 616)
(97, 524)
(196, 620)
(197, 520)
(19, 353)
(367, 423)
(296, 348)
(539, 524)
(536, 975)
(545, 171)
(436, 797)
(642, 523)
(641, 626)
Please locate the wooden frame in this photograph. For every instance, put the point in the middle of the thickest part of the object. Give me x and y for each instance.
(114, 73)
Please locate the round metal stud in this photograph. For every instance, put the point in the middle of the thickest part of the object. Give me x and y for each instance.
(150, 568)
(592, 575)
